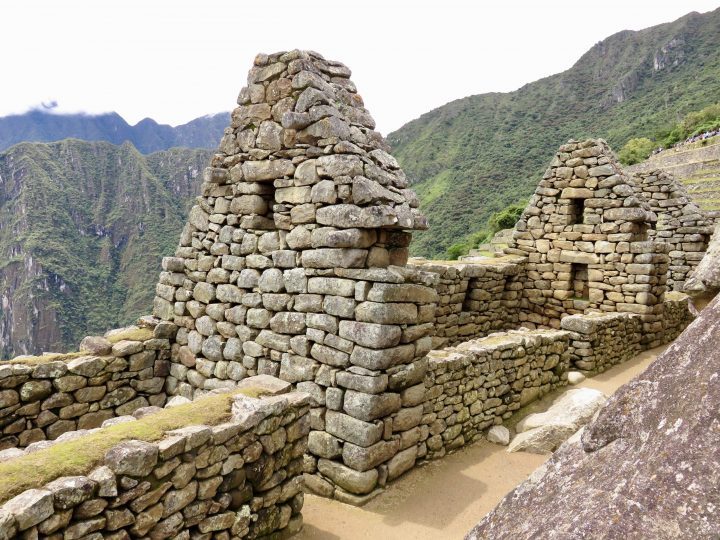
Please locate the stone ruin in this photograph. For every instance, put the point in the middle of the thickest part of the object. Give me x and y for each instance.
(292, 273)
(681, 224)
(594, 240)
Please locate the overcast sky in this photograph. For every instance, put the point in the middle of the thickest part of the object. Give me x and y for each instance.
(177, 60)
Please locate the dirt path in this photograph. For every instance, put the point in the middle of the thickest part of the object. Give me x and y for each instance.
(445, 498)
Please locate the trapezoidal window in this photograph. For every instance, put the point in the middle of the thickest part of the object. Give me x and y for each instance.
(577, 209)
(641, 232)
(579, 281)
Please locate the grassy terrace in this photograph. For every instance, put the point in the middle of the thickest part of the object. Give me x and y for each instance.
(80, 456)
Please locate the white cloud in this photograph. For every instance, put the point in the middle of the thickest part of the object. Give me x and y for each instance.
(177, 60)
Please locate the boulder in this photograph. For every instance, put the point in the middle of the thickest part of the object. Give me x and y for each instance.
(707, 274)
(499, 435)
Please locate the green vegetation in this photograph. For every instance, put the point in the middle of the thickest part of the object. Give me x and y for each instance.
(84, 226)
(636, 150)
(505, 219)
(489, 151)
(694, 123)
(80, 456)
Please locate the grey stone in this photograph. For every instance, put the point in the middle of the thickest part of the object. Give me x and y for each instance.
(132, 458)
(30, 507)
(351, 480)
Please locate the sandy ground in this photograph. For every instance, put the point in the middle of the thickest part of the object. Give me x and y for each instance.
(446, 498)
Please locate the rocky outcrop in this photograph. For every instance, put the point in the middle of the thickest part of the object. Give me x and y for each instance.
(647, 467)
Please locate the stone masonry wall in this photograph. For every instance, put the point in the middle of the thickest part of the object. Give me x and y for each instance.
(239, 479)
(601, 340)
(479, 383)
(474, 299)
(42, 398)
(292, 261)
(680, 224)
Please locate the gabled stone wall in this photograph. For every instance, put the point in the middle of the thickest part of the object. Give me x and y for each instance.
(586, 234)
(680, 224)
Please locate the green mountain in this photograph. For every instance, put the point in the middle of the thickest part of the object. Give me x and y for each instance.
(147, 135)
(83, 226)
(477, 155)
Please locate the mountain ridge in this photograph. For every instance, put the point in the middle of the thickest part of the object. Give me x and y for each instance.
(83, 226)
(489, 150)
(147, 135)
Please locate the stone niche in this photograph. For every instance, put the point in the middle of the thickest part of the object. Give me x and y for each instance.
(292, 264)
(585, 232)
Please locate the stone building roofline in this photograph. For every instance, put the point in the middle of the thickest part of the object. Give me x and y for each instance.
(302, 126)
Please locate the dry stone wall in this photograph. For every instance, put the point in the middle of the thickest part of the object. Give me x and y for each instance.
(601, 340)
(680, 224)
(42, 398)
(238, 479)
(585, 233)
(480, 383)
(474, 300)
(293, 265)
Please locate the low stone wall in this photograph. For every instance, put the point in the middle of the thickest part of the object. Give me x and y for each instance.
(678, 315)
(474, 298)
(477, 384)
(240, 478)
(44, 397)
(601, 340)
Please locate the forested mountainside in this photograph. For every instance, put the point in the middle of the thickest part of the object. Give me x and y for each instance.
(147, 135)
(477, 155)
(83, 226)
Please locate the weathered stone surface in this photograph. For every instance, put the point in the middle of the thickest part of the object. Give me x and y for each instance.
(95, 345)
(499, 435)
(707, 274)
(573, 408)
(262, 171)
(30, 507)
(132, 458)
(353, 430)
(368, 407)
(654, 430)
(349, 479)
(375, 336)
(70, 491)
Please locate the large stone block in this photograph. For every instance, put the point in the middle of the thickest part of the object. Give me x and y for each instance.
(371, 335)
(363, 459)
(387, 313)
(334, 258)
(261, 171)
(369, 407)
(353, 430)
(349, 479)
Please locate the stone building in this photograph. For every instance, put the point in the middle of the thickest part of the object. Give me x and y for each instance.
(586, 233)
(285, 266)
(680, 223)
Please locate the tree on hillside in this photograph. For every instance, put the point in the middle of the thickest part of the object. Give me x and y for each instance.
(636, 150)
